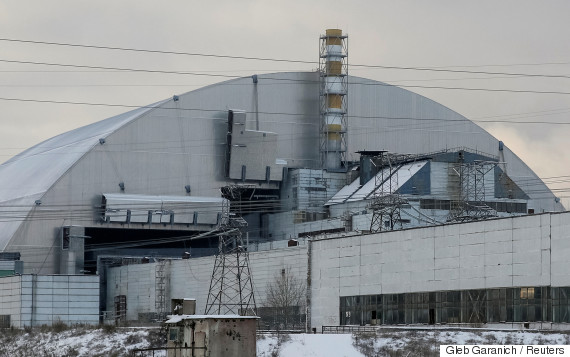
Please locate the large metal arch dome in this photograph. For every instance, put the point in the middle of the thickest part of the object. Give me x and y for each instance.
(161, 148)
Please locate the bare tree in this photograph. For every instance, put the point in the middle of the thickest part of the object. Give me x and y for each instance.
(285, 300)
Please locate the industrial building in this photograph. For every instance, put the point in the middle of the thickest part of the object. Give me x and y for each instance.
(341, 166)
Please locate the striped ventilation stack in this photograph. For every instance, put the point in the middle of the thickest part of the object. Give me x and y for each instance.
(333, 69)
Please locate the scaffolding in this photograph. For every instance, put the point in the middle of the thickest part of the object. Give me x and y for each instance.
(470, 202)
(160, 291)
(387, 202)
(333, 80)
(231, 285)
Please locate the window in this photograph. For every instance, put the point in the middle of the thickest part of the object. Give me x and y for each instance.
(174, 334)
(527, 304)
(527, 293)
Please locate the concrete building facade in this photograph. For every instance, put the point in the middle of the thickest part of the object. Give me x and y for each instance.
(32, 300)
(528, 255)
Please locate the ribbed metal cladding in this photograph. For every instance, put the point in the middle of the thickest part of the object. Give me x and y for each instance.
(333, 70)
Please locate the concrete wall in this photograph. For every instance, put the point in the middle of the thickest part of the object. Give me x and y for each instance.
(11, 299)
(33, 300)
(495, 253)
(190, 278)
(508, 252)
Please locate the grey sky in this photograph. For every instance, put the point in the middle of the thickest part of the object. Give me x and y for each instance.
(393, 33)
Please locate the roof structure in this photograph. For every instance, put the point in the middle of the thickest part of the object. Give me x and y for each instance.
(27, 176)
(165, 148)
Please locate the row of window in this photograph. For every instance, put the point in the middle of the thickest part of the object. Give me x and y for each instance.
(509, 207)
(523, 304)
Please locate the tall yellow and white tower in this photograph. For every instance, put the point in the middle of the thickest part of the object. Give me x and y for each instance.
(333, 70)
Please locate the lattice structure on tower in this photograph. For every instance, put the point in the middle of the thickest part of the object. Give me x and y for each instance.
(333, 71)
(231, 285)
(469, 204)
(387, 202)
(161, 282)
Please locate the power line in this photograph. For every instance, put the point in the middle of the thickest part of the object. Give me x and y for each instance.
(198, 54)
(118, 68)
(278, 113)
(374, 83)
(160, 51)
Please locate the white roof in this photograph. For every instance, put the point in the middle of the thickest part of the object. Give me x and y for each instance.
(27, 176)
(355, 192)
(172, 319)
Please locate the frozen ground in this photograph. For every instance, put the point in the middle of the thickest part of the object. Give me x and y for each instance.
(408, 342)
(109, 341)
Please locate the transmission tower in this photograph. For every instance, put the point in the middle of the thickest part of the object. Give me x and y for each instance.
(231, 286)
(387, 203)
(470, 204)
(161, 281)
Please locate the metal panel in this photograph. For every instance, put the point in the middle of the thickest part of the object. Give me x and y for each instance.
(164, 149)
(252, 152)
(166, 209)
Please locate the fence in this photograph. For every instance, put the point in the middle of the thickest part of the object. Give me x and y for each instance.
(170, 351)
(348, 329)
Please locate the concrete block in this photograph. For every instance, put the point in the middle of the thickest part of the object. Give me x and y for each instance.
(545, 240)
(472, 272)
(472, 250)
(526, 280)
(527, 269)
(344, 262)
(472, 238)
(498, 270)
(370, 259)
(470, 262)
(447, 252)
(526, 222)
(526, 245)
(446, 241)
(473, 283)
(498, 259)
(450, 284)
(371, 289)
(527, 257)
(499, 236)
(349, 271)
(498, 247)
(421, 276)
(473, 227)
(445, 263)
(498, 281)
(529, 233)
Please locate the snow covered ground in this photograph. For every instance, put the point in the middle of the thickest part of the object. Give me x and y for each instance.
(404, 342)
(83, 341)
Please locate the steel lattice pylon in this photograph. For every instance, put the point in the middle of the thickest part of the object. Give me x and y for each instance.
(470, 202)
(231, 286)
(387, 203)
(160, 294)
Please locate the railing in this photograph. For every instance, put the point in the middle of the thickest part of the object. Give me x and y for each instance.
(348, 329)
(174, 351)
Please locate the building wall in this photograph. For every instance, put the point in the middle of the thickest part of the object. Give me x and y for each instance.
(11, 300)
(508, 252)
(33, 300)
(495, 253)
(161, 150)
(190, 278)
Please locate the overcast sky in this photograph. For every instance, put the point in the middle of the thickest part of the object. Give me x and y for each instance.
(526, 37)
